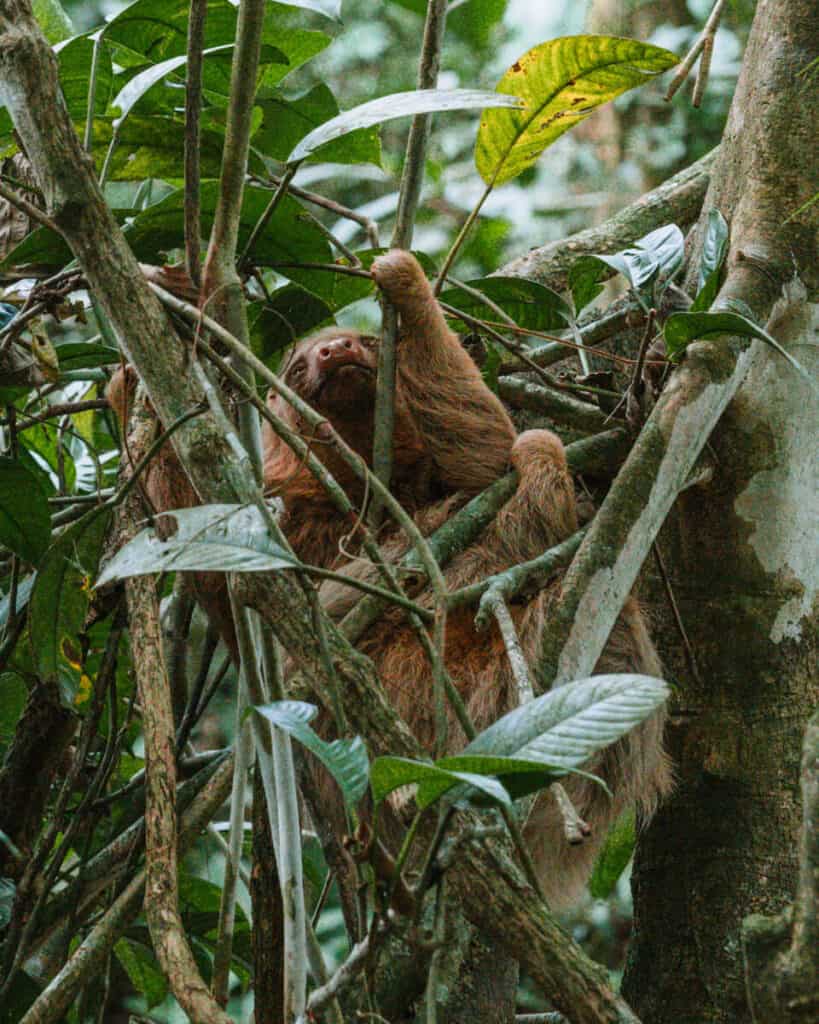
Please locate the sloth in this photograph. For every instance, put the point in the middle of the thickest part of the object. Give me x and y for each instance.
(452, 438)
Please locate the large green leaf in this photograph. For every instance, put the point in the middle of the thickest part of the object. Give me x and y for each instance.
(140, 964)
(158, 29)
(53, 20)
(390, 773)
(287, 121)
(345, 760)
(565, 726)
(561, 82)
(291, 313)
(399, 104)
(683, 328)
(74, 59)
(528, 303)
(222, 538)
(74, 63)
(59, 601)
(518, 776)
(290, 237)
(142, 83)
(25, 523)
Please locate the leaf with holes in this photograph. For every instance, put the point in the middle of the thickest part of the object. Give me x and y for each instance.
(560, 82)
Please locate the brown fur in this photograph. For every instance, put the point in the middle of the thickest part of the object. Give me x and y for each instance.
(453, 438)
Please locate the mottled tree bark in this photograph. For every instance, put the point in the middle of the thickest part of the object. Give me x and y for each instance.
(742, 556)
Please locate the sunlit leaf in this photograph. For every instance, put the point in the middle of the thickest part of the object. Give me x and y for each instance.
(223, 538)
(52, 19)
(561, 82)
(346, 760)
(399, 104)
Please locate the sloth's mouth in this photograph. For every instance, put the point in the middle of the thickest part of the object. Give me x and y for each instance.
(340, 374)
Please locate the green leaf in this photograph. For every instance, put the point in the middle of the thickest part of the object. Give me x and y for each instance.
(561, 82)
(25, 522)
(714, 248)
(528, 303)
(158, 30)
(75, 57)
(518, 776)
(138, 86)
(79, 355)
(287, 121)
(585, 282)
(329, 8)
(53, 20)
(390, 773)
(210, 538)
(346, 760)
(613, 859)
(564, 727)
(291, 313)
(683, 328)
(143, 970)
(59, 601)
(399, 104)
(659, 252)
(288, 238)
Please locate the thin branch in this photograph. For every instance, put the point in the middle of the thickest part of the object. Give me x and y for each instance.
(704, 45)
(193, 113)
(29, 209)
(409, 194)
(88, 959)
(162, 894)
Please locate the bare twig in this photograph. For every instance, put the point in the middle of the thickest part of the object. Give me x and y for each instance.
(193, 111)
(704, 45)
(29, 209)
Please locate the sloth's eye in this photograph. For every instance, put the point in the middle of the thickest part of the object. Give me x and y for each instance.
(297, 371)
(369, 340)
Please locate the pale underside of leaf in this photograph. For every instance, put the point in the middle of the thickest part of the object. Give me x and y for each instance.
(399, 104)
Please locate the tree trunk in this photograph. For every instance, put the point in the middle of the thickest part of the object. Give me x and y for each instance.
(744, 573)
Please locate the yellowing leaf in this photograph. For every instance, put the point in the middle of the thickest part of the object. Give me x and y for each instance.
(560, 82)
